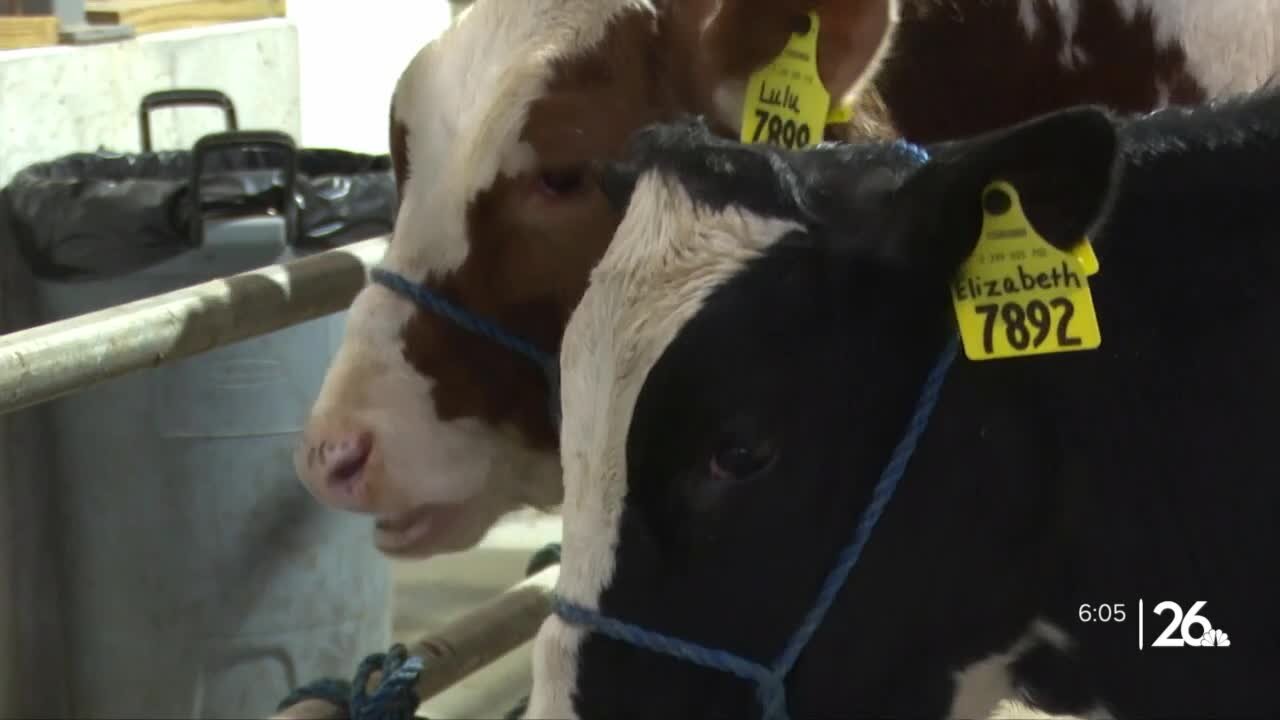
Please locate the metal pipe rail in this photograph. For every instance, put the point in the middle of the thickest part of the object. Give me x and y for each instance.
(48, 361)
(473, 641)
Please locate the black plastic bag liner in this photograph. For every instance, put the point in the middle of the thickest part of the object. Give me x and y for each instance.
(91, 216)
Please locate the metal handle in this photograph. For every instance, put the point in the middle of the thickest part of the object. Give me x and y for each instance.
(183, 97)
(239, 139)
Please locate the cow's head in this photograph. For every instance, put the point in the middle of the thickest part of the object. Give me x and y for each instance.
(735, 380)
(495, 129)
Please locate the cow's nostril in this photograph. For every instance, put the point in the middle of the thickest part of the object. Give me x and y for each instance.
(345, 458)
(347, 468)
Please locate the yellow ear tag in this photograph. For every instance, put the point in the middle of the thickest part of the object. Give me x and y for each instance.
(1084, 253)
(840, 113)
(1017, 295)
(786, 103)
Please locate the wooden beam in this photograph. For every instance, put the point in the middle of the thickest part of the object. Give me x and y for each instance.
(485, 633)
(148, 16)
(25, 31)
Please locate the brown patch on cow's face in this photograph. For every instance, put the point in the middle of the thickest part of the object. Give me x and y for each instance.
(958, 69)
(534, 237)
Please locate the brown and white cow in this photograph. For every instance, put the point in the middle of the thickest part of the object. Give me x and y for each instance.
(495, 127)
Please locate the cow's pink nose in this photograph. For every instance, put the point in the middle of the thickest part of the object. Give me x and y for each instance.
(335, 468)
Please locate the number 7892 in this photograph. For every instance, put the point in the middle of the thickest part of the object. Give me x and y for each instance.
(1028, 324)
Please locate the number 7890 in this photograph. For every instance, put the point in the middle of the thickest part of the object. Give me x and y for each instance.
(787, 133)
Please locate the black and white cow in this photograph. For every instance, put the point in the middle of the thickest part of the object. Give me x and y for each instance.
(746, 360)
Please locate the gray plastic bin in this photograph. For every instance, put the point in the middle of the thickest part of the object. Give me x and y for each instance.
(199, 578)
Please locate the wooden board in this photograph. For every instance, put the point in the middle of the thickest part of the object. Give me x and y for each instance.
(26, 31)
(148, 16)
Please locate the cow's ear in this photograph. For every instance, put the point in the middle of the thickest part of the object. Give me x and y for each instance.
(724, 41)
(1065, 167)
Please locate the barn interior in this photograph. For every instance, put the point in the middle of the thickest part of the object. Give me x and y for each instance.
(159, 557)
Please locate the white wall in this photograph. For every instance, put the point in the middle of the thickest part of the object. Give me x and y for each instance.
(61, 99)
(342, 64)
(350, 60)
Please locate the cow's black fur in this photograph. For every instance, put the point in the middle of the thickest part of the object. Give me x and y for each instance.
(1144, 469)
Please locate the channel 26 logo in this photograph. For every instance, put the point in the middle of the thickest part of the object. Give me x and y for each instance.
(1182, 629)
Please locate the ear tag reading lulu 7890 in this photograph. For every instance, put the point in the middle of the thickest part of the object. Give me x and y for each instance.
(1017, 295)
(786, 103)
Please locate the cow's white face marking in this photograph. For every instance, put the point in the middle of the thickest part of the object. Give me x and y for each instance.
(469, 472)
(464, 100)
(666, 257)
(983, 685)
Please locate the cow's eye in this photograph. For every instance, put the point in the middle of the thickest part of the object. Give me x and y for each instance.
(740, 457)
(562, 182)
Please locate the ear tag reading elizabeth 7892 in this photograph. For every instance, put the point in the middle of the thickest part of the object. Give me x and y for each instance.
(1017, 295)
(786, 103)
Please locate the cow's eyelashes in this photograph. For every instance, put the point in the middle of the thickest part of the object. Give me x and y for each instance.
(562, 182)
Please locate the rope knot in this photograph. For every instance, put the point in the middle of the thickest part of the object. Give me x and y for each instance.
(772, 695)
(335, 691)
(395, 697)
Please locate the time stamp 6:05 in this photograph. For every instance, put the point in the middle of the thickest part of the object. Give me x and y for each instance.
(1184, 629)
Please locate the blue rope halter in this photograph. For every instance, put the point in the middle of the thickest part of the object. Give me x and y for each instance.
(770, 680)
(423, 297)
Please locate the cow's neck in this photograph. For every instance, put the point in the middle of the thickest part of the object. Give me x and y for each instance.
(962, 68)
(1096, 502)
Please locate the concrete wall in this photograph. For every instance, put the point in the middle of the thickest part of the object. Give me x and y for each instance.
(324, 74)
(59, 100)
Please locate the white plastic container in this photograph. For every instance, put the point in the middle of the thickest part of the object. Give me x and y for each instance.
(201, 580)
